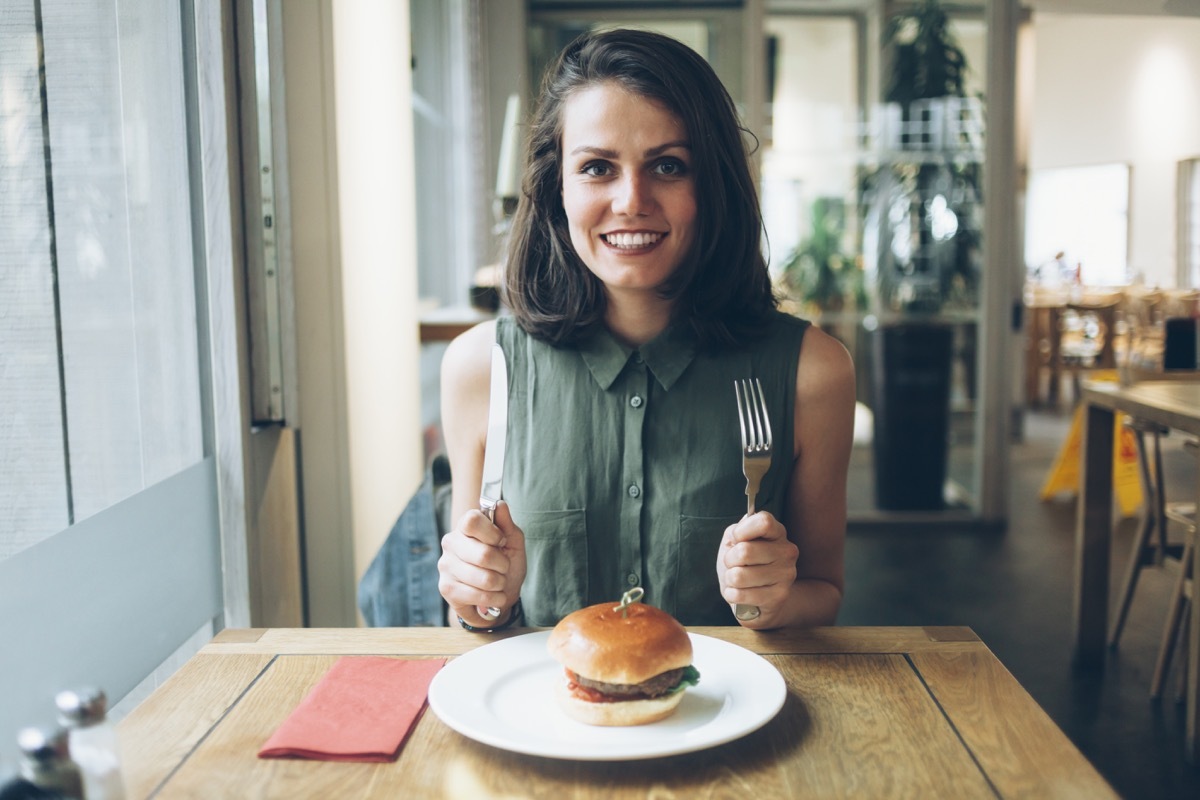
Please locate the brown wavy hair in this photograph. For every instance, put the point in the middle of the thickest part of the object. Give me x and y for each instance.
(722, 290)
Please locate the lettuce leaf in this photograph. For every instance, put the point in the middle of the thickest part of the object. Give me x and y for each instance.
(691, 677)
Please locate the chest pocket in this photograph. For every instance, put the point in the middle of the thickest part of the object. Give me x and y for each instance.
(694, 594)
(556, 581)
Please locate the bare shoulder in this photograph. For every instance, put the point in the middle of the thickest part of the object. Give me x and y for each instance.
(825, 399)
(466, 369)
(826, 369)
(466, 364)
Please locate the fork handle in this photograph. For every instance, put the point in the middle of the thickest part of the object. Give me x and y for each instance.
(740, 610)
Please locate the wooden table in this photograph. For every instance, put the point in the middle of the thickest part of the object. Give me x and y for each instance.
(870, 712)
(1175, 404)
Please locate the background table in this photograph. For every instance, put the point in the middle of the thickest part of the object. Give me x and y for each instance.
(1175, 404)
(870, 712)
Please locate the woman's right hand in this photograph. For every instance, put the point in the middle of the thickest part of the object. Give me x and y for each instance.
(482, 566)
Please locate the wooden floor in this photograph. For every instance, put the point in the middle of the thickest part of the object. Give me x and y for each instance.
(1013, 589)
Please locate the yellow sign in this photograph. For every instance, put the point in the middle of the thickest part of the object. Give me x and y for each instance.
(1064, 475)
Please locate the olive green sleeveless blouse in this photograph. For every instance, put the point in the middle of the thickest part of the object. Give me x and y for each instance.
(623, 467)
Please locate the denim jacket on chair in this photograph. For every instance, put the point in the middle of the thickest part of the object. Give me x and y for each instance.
(400, 587)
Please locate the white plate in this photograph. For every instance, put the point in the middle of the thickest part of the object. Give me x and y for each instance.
(502, 694)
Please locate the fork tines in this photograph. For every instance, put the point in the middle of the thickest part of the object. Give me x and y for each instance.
(752, 414)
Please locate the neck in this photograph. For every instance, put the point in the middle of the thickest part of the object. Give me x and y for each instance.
(636, 321)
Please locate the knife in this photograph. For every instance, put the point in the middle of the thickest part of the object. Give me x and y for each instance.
(497, 433)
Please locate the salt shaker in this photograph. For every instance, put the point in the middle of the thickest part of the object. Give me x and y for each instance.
(46, 763)
(93, 741)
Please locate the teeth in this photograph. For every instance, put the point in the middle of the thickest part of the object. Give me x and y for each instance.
(632, 240)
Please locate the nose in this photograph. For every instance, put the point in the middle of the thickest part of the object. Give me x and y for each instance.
(632, 195)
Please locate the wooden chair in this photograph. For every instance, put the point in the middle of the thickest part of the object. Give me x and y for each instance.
(1042, 339)
(1182, 597)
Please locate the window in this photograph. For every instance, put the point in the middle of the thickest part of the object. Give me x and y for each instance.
(101, 394)
(110, 550)
(1189, 222)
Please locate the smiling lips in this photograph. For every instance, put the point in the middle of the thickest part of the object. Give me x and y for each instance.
(632, 241)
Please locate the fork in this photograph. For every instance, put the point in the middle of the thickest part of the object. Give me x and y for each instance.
(756, 454)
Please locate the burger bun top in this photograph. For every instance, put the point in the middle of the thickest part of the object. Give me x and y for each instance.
(627, 647)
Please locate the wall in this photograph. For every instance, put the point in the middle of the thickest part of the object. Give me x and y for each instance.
(350, 147)
(1121, 89)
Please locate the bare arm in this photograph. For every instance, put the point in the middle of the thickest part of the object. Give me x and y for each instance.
(466, 371)
(793, 568)
(482, 564)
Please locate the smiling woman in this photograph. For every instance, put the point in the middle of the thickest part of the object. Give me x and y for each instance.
(640, 295)
(629, 194)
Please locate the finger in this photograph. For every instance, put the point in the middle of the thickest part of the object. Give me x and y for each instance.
(750, 578)
(514, 537)
(464, 600)
(760, 525)
(477, 526)
(762, 553)
(466, 550)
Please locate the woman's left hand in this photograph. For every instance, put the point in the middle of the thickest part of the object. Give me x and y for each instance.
(756, 564)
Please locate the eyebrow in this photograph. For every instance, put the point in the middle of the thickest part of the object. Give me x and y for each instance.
(605, 152)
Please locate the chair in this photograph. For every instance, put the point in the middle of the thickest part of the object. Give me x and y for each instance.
(1154, 520)
(1142, 314)
(1182, 597)
(1042, 340)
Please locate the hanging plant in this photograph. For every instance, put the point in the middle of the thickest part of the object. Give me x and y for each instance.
(927, 61)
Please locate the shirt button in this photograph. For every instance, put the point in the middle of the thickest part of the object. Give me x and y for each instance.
(634, 491)
(632, 579)
(637, 358)
(636, 401)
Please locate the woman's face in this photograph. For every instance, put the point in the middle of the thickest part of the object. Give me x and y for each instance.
(627, 187)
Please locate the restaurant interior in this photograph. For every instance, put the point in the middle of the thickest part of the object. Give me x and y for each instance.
(987, 250)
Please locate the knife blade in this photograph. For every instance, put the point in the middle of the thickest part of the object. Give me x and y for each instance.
(497, 434)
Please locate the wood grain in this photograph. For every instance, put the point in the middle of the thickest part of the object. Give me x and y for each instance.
(444, 641)
(863, 718)
(163, 729)
(1024, 755)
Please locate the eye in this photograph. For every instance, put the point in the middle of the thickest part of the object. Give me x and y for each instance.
(596, 169)
(671, 168)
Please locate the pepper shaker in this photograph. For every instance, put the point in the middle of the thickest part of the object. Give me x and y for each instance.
(46, 763)
(92, 741)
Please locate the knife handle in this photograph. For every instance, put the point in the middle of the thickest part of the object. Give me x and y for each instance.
(490, 511)
(745, 612)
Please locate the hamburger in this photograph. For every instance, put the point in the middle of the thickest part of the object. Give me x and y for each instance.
(625, 665)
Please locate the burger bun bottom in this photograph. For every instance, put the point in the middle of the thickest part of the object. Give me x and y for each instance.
(622, 713)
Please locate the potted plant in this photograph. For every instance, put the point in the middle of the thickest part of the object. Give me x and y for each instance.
(921, 247)
(818, 273)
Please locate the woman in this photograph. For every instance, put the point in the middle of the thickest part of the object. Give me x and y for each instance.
(639, 295)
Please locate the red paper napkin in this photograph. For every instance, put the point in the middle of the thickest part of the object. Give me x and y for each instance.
(361, 710)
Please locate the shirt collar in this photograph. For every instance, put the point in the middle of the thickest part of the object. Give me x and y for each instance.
(667, 356)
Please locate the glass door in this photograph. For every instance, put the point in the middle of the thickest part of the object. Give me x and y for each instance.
(873, 196)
